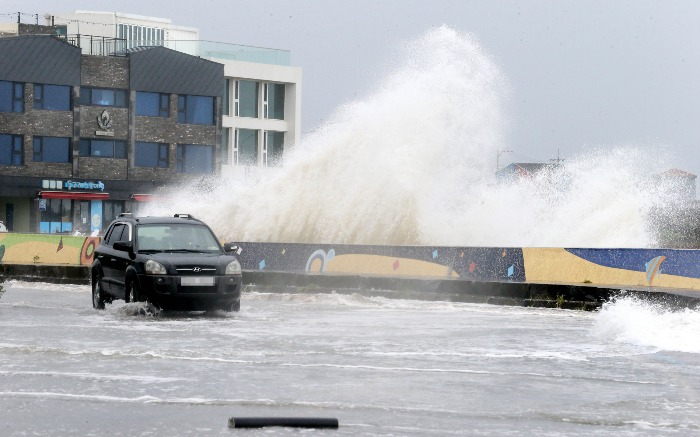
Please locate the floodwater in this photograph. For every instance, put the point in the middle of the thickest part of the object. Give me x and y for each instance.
(382, 367)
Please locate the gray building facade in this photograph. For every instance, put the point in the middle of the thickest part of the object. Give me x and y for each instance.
(84, 138)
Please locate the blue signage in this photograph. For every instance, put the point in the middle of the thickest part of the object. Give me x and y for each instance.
(70, 185)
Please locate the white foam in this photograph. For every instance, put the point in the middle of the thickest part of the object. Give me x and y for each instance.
(631, 320)
(414, 161)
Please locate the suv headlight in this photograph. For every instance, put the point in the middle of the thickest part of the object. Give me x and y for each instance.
(233, 268)
(154, 268)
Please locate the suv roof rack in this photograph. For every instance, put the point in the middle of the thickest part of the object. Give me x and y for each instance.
(125, 214)
(187, 216)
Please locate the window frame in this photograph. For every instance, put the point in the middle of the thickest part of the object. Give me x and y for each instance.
(163, 105)
(238, 105)
(238, 150)
(86, 97)
(163, 149)
(87, 142)
(184, 106)
(42, 147)
(181, 158)
(40, 103)
(15, 150)
(15, 92)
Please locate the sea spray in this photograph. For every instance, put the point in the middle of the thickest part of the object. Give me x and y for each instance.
(640, 322)
(413, 163)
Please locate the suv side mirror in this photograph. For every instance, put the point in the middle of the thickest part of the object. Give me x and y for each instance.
(124, 246)
(232, 247)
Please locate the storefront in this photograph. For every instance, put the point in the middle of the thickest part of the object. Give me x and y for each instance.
(76, 207)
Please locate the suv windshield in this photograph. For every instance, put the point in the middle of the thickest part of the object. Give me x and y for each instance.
(175, 237)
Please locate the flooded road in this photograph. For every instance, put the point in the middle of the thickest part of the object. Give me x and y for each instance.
(381, 367)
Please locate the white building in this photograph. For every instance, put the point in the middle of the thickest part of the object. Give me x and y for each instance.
(262, 91)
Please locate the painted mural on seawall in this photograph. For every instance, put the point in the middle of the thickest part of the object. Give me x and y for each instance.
(619, 268)
(634, 268)
(16, 248)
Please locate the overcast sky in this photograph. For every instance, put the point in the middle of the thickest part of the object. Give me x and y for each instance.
(582, 74)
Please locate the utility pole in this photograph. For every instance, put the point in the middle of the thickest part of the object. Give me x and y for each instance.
(498, 155)
(557, 160)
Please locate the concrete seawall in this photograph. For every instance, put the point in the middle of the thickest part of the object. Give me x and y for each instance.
(496, 293)
(546, 277)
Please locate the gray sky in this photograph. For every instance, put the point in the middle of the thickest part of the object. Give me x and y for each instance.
(582, 73)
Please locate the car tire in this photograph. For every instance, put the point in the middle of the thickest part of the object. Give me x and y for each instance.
(98, 295)
(133, 291)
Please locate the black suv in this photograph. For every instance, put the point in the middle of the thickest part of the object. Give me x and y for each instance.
(171, 262)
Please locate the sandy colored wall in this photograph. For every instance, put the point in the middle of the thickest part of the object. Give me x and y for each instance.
(47, 249)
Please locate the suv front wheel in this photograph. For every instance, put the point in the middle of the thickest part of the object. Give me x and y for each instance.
(98, 296)
(133, 291)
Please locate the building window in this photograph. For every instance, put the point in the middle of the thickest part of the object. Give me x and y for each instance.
(226, 145)
(11, 96)
(246, 147)
(11, 152)
(56, 217)
(110, 210)
(273, 101)
(103, 148)
(247, 98)
(273, 149)
(151, 155)
(152, 104)
(51, 149)
(195, 158)
(54, 97)
(226, 101)
(103, 97)
(195, 109)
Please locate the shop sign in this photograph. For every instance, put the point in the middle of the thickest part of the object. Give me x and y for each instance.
(42, 204)
(50, 184)
(71, 185)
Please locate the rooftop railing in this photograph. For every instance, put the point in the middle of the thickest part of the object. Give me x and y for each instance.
(105, 46)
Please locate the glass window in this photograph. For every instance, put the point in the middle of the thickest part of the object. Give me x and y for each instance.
(152, 104)
(195, 158)
(247, 145)
(225, 145)
(11, 151)
(118, 233)
(103, 148)
(55, 97)
(275, 148)
(103, 97)
(51, 149)
(274, 101)
(58, 216)
(225, 101)
(195, 109)
(247, 99)
(110, 210)
(151, 155)
(11, 96)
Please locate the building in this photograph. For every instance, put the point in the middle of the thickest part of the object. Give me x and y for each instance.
(261, 105)
(524, 170)
(681, 184)
(92, 126)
